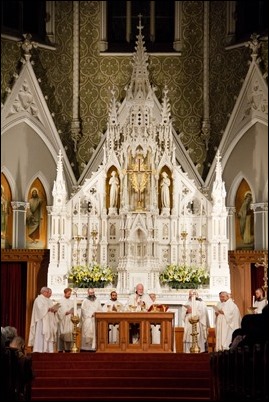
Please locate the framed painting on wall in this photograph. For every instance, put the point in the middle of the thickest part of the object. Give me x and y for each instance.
(244, 217)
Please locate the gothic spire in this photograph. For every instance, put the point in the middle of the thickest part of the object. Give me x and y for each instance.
(218, 190)
(139, 87)
(59, 188)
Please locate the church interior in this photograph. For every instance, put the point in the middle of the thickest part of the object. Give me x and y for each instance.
(134, 136)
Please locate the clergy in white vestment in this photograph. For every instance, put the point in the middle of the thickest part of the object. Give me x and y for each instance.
(202, 326)
(259, 301)
(113, 304)
(228, 319)
(43, 327)
(89, 307)
(155, 328)
(65, 325)
(138, 301)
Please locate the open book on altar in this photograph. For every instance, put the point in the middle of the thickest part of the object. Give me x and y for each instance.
(56, 306)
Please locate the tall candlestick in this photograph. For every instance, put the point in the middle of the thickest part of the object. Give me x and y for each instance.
(184, 222)
(75, 304)
(79, 217)
(253, 301)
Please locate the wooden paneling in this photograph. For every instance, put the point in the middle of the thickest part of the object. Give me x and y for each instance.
(179, 331)
(144, 322)
(37, 270)
(240, 268)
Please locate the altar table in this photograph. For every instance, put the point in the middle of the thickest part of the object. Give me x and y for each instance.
(136, 332)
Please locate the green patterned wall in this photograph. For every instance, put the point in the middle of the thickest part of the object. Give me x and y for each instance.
(98, 74)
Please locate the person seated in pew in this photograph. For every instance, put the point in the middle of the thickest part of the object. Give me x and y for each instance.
(255, 329)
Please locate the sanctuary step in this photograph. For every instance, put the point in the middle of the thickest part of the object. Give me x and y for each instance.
(121, 376)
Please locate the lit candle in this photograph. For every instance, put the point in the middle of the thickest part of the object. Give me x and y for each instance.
(75, 304)
(79, 216)
(253, 301)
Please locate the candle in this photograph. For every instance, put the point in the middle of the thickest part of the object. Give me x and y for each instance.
(79, 216)
(192, 305)
(253, 301)
(184, 223)
(75, 304)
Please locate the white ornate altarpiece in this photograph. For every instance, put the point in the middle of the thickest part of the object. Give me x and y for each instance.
(139, 211)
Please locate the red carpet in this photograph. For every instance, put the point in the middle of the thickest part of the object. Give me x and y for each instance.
(121, 376)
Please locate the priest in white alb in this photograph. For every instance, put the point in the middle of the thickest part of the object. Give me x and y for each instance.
(43, 327)
(65, 325)
(195, 306)
(228, 319)
(89, 307)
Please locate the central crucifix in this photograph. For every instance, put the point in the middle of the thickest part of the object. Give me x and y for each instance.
(138, 174)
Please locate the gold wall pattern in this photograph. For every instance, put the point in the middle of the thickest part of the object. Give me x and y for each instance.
(98, 74)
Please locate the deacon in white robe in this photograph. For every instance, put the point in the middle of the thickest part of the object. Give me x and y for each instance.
(202, 325)
(42, 335)
(88, 331)
(113, 304)
(65, 326)
(155, 328)
(228, 319)
(260, 301)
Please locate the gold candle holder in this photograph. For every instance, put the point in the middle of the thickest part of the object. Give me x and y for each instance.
(75, 321)
(195, 348)
(251, 310)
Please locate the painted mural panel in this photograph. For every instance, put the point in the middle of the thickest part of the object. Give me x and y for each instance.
(245, 218)
(6, 213)
(36, 217)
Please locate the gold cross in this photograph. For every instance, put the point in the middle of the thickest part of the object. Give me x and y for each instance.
(139, 176)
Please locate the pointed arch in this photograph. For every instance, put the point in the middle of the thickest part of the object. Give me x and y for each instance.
(234, 188)
(41, 177)
(6, 213)
(10, 180)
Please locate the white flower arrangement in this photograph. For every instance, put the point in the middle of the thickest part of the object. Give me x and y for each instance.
(94, 275)
(184, 277)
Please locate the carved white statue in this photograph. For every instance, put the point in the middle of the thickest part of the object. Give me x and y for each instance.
(114, 189)
(165, 196)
